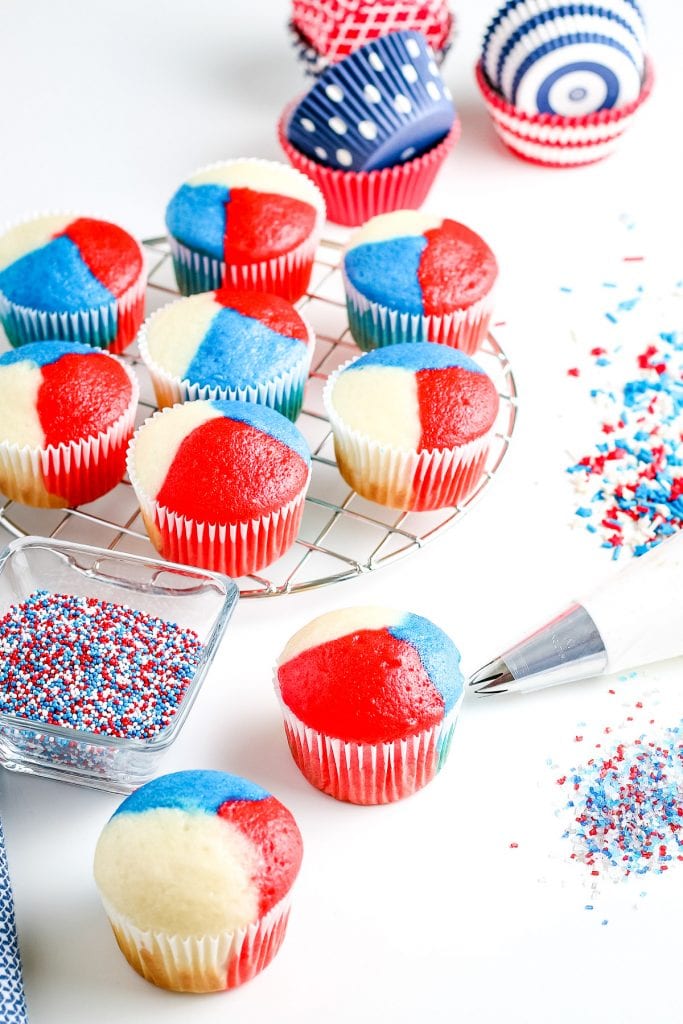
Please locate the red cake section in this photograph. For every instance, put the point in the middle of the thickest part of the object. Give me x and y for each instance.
(229, 472)
(271, 827)
(108, 251)
(81, 395)
(456, 269)
(455, 405)
(271, 310)
(366, 687)
(262, 225)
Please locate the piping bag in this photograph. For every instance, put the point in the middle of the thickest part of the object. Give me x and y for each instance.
(634, 618)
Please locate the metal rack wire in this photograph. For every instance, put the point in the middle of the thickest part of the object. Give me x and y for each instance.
(342, 535)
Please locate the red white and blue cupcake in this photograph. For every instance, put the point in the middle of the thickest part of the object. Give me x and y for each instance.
(412, 424)
(370, 698)
(221, 484)
(412, 276)
(71, 278)
(248, 224)
(241, 345)
(67, 412)
(195, 871)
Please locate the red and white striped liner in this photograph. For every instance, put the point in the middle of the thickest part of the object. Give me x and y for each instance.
(352, 197)
(555, 141)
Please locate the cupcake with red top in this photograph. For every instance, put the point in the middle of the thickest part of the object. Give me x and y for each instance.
(71, 278)
(412, 424)
(229, 344)
(370, 698)
(67, 412)
(250, 224)
(195, 871)
(221, 484)
(412, 276)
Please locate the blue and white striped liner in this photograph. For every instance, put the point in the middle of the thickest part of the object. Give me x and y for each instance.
(12, 998)
(381, 105)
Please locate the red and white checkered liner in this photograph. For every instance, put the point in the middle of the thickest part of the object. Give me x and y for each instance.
(338, 27)
(555, 141)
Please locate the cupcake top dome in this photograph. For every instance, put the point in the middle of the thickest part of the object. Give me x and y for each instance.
(417, 396)
(244, 211)
(370, 675)
(419, 264)
(54, 392)
(66, 264)
(253, 460)
(197, 853)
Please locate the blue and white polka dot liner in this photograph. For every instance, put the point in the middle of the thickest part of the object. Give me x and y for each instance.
(570, 60)
(383, 104)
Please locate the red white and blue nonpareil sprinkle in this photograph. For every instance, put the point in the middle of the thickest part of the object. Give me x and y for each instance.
(92, 665)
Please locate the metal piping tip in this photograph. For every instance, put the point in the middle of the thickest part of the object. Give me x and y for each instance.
(495, 677)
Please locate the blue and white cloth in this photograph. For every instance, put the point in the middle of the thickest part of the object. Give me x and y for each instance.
(12, 998)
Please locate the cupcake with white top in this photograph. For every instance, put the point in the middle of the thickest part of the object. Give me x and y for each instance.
(251, 224)
(229, 344)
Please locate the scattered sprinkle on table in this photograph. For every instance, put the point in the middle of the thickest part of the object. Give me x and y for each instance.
(87, 664)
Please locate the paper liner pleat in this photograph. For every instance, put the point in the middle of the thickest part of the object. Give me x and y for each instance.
(71, 473)
(352, 197)
(209, 963)
(556, 141)
(374, 325)
(365, 773)
(283, 393)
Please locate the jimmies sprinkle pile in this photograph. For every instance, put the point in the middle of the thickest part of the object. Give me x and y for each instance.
(93, 665)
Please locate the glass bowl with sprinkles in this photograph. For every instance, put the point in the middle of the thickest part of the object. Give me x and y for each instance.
(102, 655)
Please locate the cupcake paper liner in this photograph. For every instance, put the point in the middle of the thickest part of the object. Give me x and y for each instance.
(555, 141)
(287, 275)
(364, 773)
(354, 197)
(284, 393)
(236, 549)
(210, 963)
(408, 480)
(72, 473)
(381, 105)
(374, 325)
(111, 326)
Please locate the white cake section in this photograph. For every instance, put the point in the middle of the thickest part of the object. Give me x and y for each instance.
(176, 331)
(178, 872)
(159, 438)
(261, 176)
(33, 234)
(19, 421)
(380, 402)
(400, 224)
(337, 624)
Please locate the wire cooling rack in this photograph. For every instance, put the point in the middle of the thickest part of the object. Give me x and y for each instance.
(342, 535)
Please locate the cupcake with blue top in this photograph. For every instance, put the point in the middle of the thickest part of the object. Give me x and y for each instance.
(249, 224)
(370, 698)
(412, 276)
(374, 129)
(229, 344)
(221, 484)
(412, 424)
(71, 278)
(195, 870)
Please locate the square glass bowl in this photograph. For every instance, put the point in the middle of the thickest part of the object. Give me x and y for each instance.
(191, 598)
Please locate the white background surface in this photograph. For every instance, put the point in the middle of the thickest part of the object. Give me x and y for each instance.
(419, 910)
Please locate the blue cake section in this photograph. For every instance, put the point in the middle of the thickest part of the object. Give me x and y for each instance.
(238, 350)
(261, 417)
(54, 279)
(386, 272)
(438, 654)
(415, 356)
(43, 353)
(199, 791)
(196, 216)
